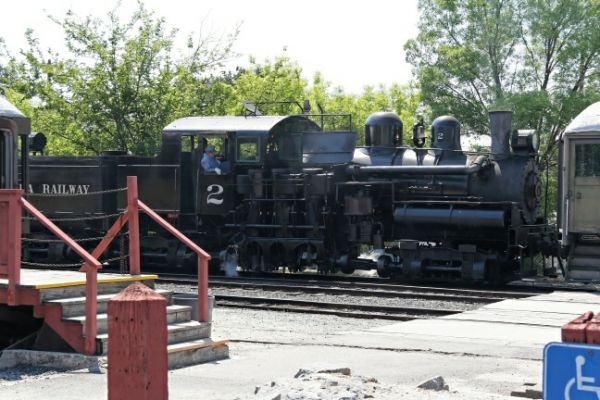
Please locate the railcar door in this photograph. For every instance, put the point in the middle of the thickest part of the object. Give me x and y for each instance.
(584, 187)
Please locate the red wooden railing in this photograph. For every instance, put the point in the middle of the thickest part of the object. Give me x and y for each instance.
(11, 205)
(203, 256)
(131, 217)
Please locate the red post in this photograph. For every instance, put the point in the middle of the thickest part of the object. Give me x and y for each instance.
(137, 345)
(134, 225)
(10, 240)
(202, 288)
(91, 310)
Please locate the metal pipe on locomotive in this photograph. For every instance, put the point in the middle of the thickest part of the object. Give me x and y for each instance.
(295, 195)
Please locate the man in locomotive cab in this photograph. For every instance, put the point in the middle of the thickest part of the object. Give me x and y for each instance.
(214, 159)
(209, 160)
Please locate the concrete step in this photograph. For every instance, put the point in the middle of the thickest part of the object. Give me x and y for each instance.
(64, 292)
(75, 306)
(175, 314)
(196, 351)
(177, 333)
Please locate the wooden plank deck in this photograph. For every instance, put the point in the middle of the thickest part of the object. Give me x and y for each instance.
(43, 279)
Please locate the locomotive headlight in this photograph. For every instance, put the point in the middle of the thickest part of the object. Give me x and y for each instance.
(524, 141)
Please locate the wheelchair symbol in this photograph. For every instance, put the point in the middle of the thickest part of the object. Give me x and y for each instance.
(581, 382)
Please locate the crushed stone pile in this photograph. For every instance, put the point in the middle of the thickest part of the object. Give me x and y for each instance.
(327, 383)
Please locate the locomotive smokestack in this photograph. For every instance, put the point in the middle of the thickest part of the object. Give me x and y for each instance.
(500, 127)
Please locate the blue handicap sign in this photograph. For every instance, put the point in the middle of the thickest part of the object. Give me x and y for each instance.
(571, 371)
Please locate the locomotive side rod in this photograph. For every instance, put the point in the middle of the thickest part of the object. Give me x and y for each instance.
(475, 167)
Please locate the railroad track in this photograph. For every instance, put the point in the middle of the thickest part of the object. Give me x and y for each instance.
(349, 310)
(351, 288)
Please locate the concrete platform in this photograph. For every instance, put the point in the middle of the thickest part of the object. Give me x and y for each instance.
(512, 328)
(484, 353)
(44, 279)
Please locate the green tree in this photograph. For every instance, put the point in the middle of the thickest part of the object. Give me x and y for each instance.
(538, 58)
(527, 55)
(281, 81)
(119, 84)
(275, 82)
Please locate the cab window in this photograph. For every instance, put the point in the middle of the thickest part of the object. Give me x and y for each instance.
(219, 143)
(247, 150)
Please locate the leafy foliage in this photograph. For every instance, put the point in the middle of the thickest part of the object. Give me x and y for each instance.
(472, 56)
(120, 84)
(539, 58)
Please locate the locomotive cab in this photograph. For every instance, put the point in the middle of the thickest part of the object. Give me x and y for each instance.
(244, 145)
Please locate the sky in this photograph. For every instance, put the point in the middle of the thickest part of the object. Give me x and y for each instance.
(352, 44)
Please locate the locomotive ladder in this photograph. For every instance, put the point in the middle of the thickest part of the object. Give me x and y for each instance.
(12, 204)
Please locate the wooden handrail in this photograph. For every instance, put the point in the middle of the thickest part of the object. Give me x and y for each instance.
(91, 264)
(203, 258)
(131, 217)
(87, 257)
(172, 230)
(91, 267)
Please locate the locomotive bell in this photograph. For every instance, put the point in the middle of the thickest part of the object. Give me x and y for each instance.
(445, 133)
(383, 129)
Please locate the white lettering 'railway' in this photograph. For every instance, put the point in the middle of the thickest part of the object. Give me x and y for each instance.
(64, 188)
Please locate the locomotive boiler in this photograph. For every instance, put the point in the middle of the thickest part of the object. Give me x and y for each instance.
(442, 211)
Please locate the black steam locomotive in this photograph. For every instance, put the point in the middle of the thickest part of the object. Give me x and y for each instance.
(292, 194)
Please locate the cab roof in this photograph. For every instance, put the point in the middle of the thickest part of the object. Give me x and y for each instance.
(224, 124)
(9, 111)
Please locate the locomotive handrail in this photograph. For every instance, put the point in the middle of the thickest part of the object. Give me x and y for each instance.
(473, 168)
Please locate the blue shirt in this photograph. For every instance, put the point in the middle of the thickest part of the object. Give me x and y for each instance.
(209, 163)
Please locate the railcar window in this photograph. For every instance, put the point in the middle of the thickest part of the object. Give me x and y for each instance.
(247, 150)
(587, 159)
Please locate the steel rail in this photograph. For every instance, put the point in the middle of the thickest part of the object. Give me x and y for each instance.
(364, 292)
(317, 307)
(357, 289)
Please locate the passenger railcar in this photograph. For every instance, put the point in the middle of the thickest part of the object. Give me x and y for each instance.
(579, 195)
